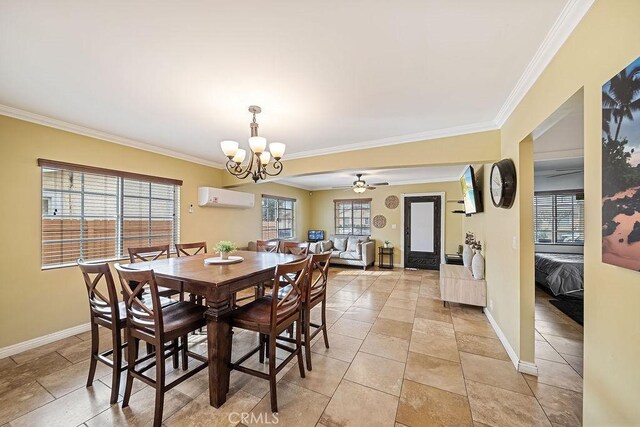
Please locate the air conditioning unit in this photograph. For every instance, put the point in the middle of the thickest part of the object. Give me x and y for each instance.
(217, 197)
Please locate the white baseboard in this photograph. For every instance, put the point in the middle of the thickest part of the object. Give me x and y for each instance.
(40, 341)
(521, 366)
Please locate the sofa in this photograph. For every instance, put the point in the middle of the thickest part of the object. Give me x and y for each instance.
(347, 250)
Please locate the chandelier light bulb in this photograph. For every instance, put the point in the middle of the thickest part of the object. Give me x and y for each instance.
(277, 150)
(229, 148)
(258, 144)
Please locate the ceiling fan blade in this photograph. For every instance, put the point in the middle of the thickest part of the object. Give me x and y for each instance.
(563, 174)
(342, 186)
(569, 170)
(378, 184)
(370, 187)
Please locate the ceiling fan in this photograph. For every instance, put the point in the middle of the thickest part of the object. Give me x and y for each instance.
(360, 185)
(563, 172)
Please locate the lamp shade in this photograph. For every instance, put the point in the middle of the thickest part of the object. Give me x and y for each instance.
(257, 144)
(229, 148)
(277, 149)
(265, 157)
(240, 155)
(359, 189)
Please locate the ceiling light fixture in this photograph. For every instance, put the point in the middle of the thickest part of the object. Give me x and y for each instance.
(259, 159)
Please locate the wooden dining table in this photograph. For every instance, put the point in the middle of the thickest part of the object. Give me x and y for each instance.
(217, 284)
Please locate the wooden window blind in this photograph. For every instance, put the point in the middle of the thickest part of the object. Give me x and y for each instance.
(559, 218)
(353, 216)
(97, 216)
(278, 217)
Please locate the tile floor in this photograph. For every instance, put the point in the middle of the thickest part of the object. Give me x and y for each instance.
(397, 357)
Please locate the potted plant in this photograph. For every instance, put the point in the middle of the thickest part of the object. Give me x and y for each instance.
(467, 252)
(225, 247)
(387, 244)
(477, 264)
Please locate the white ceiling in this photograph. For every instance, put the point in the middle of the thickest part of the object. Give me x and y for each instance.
(397, 176)
(339, 75)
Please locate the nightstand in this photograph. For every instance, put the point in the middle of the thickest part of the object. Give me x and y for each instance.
(382, 253)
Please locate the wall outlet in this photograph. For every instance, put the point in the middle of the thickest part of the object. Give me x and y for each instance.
(191, 208)
(514, 242)
(393, 226)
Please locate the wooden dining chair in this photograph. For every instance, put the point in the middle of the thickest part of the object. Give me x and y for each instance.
(152, 253)
(271, 316)
(315, 293)
(267, 245)
(149, 321)
(105, 311)
(189, 249)
(294, 248)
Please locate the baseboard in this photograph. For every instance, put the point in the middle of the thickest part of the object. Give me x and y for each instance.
(40, 341)
(524, 367)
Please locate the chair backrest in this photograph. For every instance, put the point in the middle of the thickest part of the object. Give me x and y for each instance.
(188, 249)
(317, 287)
(267, 245)
(102, 306)
(295, 274)
(295, 248)
(144, 313)
(148, 253)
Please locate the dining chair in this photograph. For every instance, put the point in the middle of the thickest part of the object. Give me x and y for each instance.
(149, 321)
(188, 249)
(105, 311)
(271, 316)
(267, 245)
(152, 253)
(314, 294)
(294, 248)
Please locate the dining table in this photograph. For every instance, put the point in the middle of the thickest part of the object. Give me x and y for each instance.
(217, 283)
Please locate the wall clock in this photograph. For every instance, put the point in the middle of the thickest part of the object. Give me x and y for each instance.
(503, 183)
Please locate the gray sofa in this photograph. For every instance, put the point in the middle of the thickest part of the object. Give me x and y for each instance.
(348, 250)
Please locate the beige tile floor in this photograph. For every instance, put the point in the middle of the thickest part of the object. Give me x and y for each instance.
(397, 357)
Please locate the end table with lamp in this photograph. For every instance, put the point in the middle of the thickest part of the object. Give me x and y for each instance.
(385, 253)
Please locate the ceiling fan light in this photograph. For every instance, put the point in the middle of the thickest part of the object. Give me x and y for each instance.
(359, 189)
(277, 149)
(258, 144)
(240, 155)
(229, 148)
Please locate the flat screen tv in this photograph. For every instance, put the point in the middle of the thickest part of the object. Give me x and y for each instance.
(315, 235)
(470, 192)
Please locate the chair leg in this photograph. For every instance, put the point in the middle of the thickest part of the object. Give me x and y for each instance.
(160, 380)
(307, 334)
(117, 365)
(131, 364)
(95, 345)
(262, 349)
(324, 323)
(185, 347)
(272, 373)
(176, 354)
(299, 347)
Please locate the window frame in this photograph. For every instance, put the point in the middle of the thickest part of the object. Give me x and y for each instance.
(121, 178)
(554, 213)
(278, 200)
(364, 230)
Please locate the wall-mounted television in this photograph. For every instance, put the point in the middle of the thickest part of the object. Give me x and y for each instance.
(315, 235)
(470, 192)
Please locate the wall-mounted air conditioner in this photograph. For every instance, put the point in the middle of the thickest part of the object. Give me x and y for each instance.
(217, 197)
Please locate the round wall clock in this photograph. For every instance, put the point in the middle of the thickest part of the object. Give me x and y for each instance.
(503, 183)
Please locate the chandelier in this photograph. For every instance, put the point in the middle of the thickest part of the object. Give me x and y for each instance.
(259, 159)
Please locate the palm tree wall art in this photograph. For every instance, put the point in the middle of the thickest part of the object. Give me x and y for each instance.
(621, 168)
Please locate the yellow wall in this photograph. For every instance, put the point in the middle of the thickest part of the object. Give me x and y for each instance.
(35, 302)
(323, 214)
(606, 41)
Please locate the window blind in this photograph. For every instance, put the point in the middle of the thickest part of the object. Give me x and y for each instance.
(353, 216)
(96, 216)
(559, 218)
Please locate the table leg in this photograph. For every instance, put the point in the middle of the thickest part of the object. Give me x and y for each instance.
(219, 351)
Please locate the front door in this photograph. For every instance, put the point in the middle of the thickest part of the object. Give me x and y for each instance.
(422, 228)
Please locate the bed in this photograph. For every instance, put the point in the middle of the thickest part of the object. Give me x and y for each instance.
(560, 274)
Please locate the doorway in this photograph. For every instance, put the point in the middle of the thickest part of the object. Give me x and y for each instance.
(423, 231)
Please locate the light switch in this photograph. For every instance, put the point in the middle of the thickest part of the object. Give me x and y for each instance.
(393, 226)
(514, 243)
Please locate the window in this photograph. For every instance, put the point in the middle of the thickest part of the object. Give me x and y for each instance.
(278, 217)
(353, 217)
(94, 214)
(559, 218)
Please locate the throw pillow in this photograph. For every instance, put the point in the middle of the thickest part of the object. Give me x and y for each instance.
(352, 244)
(327, 245)
(340, 244)
(359, 251)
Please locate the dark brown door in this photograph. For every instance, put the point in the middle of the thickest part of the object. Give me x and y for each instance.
(422, 231)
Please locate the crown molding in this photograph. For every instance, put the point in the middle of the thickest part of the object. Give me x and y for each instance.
(396, 140)
(17, 113)
(562, 28)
